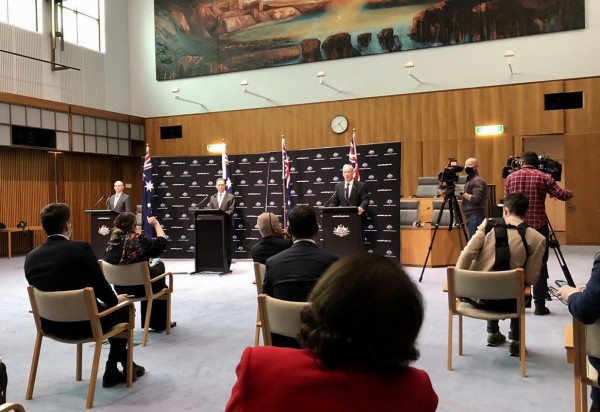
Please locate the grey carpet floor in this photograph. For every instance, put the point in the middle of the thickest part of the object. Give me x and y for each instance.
(193, 369)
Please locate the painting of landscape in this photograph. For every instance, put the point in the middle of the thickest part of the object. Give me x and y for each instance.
(202, 37)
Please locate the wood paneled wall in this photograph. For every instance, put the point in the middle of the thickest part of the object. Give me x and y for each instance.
(430, 126)
(30, 179)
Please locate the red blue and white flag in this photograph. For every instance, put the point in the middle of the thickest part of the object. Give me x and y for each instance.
(353, 157)
(285, 176)
(226, 170)
(148, 193)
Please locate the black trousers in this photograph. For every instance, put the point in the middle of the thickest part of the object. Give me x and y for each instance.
(540, 288)
(158, 319)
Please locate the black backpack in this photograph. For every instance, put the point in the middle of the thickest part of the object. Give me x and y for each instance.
(502, 249)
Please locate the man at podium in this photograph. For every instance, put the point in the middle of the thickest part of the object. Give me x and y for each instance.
(225, 202)
(350, 192)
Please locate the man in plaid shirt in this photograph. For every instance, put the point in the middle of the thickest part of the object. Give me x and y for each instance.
(535, 184)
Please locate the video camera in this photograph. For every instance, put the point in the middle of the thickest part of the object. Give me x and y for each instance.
(449, 175)
(545, 164)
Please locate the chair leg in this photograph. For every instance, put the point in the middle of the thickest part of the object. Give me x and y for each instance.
(93, 375)
(450, 315)
(522, 345)
(577, 394)
(460, 338)
(584, 405)
(147, 322)
(78, 362)
(34, 364)
(168, 313)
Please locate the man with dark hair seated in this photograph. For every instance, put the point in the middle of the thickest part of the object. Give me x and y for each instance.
(359, 337)
(61, 264)
(291, 274)
(504, 244)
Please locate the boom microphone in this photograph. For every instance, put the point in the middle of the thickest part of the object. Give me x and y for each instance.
(330, 199)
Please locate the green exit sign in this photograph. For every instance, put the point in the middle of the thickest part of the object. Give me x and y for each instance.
(489, 130)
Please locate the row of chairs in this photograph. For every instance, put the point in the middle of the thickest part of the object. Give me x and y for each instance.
(409, 212)
(80, 305)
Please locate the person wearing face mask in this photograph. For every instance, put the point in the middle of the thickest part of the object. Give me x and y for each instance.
(61, 264)
(474, 196)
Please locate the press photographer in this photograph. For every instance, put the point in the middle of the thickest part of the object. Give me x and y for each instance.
(474, 196)
(535, 182)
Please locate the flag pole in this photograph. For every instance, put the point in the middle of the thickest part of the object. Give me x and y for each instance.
(283, 191)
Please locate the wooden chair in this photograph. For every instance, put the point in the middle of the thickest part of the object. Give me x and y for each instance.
(586, 342)
(279, 316)
(75, 306)
(509, 284)
(11, 406)
(259, 277)
(136, 274)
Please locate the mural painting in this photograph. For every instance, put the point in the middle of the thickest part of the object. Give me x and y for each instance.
(200, 37)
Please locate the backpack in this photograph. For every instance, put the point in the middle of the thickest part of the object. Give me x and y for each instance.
(502, 249)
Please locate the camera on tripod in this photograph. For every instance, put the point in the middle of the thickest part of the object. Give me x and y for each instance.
(449, 176)
(545, 164)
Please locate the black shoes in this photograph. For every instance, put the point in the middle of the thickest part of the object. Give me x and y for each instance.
(113, 376)
(541, 310)
(173, 324)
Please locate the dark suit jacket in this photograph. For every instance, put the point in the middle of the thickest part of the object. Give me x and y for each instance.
(60, 264)
(227, 206)
(305, 385)
(291, 274)
(123, 205)
(269, 246)
(359, 196)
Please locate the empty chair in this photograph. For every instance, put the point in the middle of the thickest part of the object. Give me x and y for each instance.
(427, 187)
(259, 277)
(586, 342)
(75, 306)
(409, 212)
(279, 316)
(436, 206)
(139, 274)
(508, 284)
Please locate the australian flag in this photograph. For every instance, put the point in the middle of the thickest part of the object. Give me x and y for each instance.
(285, 175)
(226, 170)
(353, 157)
(147, 194)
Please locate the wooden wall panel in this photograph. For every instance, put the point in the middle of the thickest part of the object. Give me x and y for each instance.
(586, 119)
(528, 106)
(583, 210)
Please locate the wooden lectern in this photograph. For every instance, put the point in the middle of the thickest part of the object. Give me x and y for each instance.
(342, 230)
(102, 223)
(210, 246)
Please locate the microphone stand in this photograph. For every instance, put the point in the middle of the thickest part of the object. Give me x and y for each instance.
(98, 201)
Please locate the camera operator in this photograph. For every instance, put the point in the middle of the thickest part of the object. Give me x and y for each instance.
(535, 184)
(474, 196)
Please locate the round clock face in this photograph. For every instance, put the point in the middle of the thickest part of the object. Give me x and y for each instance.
(339, 124)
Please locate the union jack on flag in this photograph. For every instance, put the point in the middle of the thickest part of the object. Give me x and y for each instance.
(147, 193)
(353, 157)
(285, 176)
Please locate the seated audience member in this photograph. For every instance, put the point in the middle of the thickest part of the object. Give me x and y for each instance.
(273, 238)
(583, 305)
(291, 274)
(61, 264)
(126, 246)
(505, 246)
(359, 337)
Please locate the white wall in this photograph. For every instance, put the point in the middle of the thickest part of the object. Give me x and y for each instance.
(537, 58)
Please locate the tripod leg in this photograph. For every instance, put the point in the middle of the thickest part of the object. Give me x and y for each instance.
(460, 223)
(559, 256)
(437, 224)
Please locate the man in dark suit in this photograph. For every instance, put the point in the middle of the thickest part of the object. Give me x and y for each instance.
(273, 239)
(61, 264)
(225, 202)
(119, 202)
(291, 274)
(350, 192)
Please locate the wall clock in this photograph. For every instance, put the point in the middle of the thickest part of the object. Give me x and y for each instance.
(339, 124)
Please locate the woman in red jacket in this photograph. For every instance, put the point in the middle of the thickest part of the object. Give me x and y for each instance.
(358, 337)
